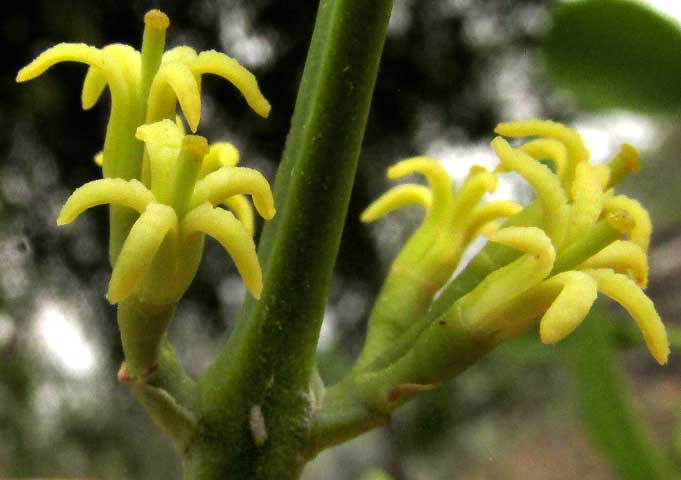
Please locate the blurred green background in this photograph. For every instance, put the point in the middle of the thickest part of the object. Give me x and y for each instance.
(595, 406)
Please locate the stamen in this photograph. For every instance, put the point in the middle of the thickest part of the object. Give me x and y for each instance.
(598, 237)
(194, 148)
(153, 44)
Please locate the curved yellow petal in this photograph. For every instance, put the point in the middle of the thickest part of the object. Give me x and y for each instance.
(643, 228)
(231, 234)
(62, 52)
(116, 191)
(587, 201)
(93, 86)
(127, 59)
(624, 291)
(530, 240)
(76, 52)
(481, 311)
(483, 215)
(478, 182)
(128, 62)
(173, 81)
(396, 198)
(572, 140)
(548, 149)
(227, 181)
(438, 180)
(182, 54)
(139, 249)
(623, 257)
(242, 209)
(576, 293)
(221, 154)
(547, 185)
(212, 62)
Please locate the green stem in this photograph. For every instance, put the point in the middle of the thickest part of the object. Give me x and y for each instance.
(142, 330)
(267, 364)
(175, 420)
(367, 398)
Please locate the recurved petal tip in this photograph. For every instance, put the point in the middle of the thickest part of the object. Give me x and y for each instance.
(216, 63)
(269, 213)
(578, 292)
(63, 220)
(63, 52)
(624, 291)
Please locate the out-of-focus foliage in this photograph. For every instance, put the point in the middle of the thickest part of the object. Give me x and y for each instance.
(616, 54)
(603, 400)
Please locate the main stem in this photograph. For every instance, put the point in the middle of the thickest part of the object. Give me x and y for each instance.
(254, 408)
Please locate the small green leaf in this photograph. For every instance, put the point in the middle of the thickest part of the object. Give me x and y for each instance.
(615, 54)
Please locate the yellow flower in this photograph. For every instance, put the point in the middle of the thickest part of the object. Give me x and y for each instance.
(574, 207)
(573, 201)
(188, 179)
(145, 91)
(164, 186)
(428, 260)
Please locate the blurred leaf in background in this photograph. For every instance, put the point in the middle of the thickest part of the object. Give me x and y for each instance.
(616, 54)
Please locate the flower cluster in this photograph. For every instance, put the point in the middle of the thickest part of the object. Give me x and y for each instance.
(164, 187)
(567, 243)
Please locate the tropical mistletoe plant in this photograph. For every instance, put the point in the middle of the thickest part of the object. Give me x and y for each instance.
(260, 411)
